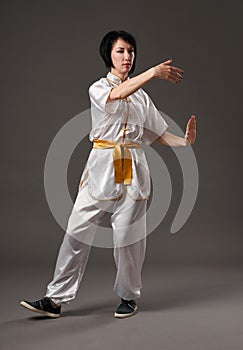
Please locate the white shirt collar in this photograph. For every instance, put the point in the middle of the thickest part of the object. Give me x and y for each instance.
(114, 78)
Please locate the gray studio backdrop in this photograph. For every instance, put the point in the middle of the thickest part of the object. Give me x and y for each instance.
(49, 58)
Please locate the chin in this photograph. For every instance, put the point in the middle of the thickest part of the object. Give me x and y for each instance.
(125, 69)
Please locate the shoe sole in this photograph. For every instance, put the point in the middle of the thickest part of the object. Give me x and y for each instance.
(125, 315)
(42, 312)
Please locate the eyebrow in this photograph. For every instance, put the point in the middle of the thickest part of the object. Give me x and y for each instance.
(123, 47)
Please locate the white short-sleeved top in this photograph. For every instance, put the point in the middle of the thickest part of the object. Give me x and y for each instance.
(143, 123)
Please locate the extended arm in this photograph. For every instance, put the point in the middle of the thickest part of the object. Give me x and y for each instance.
(172, 140)
(161, 71)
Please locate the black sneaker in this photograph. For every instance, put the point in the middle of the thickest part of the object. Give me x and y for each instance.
(126, 308)
(42, 306)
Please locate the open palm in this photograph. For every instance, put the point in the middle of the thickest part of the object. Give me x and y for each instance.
(190, 134)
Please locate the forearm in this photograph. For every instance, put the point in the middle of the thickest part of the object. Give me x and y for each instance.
(161, 71)
(172, 140)
(130, 86)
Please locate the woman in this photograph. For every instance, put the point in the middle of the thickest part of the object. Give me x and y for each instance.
(116, 180)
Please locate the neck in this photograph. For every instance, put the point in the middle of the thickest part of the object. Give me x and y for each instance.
(119, 75)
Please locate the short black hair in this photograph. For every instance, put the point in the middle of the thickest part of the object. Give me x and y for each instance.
(108, 41)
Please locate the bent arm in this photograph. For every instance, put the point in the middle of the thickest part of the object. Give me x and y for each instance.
(161, 71)
(172, 140)
(130, 86)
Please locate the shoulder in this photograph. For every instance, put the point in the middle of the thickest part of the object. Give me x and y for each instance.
(100, 83)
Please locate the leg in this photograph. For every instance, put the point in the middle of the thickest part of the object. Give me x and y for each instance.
(129, 261)
(129, 225)
(73, 254)
(70, 266)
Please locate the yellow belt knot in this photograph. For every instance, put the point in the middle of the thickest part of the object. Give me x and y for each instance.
(122, 158)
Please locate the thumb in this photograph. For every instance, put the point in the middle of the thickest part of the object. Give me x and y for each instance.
(168, 61)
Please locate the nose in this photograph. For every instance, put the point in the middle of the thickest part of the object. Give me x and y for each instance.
(128, 55)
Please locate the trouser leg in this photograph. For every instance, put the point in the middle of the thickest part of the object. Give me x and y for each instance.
(74, 251)
(129, 227)
(129, 261)
(70, 266)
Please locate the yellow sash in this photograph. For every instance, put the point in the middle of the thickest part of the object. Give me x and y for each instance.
(122, 158)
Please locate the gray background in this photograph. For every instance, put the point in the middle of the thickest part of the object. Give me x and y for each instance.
(49, 57)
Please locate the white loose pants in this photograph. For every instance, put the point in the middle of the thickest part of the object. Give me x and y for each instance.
(128, 221)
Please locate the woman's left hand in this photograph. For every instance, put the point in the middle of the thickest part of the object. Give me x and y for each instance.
(190, 134)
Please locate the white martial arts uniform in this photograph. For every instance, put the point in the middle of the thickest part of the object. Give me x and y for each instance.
(130, 121)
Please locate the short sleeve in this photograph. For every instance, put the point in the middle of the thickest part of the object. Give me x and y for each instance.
(99, 93)
(154, 125)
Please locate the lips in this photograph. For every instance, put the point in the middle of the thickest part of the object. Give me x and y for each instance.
(126, 64)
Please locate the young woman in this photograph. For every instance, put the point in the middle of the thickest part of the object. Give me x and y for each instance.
(116, 180)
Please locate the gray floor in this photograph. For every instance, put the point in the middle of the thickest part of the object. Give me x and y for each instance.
(182, 307)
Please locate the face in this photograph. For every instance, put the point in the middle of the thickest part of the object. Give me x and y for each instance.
(122, 55)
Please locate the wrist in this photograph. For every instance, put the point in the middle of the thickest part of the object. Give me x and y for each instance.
(153, 72)
(186, 141)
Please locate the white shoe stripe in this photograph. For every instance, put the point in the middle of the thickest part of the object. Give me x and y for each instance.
(125, 315)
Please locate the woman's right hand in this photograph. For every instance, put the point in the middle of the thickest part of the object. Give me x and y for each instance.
(167, 72)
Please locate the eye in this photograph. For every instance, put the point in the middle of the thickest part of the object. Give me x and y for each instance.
(120, 51)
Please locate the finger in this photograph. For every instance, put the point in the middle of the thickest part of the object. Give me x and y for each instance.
(177, 79)
(173, 80)
(175, 75)
(191, 125)
(191, 136)
(187, 129)
(193, 122)
(176, 69)
(180, 75)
